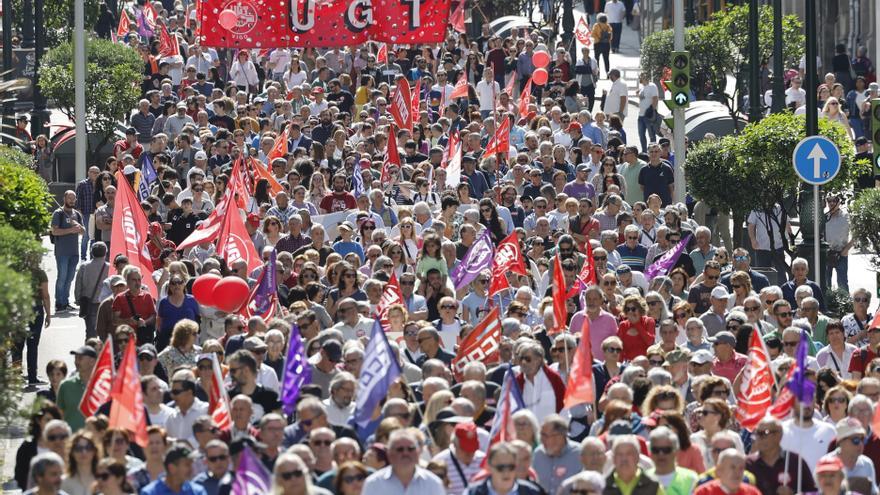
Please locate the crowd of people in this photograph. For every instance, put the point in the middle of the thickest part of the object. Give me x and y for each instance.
(668, 349)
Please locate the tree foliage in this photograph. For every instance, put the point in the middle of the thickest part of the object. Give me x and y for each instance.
(16, 311)
(709, 170)
(864, 216)
(734, 22)
(113, 75)
(25, 201)
(58, 17)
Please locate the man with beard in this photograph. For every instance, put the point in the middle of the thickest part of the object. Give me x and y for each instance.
(321, 133)
(340, 404)
(339, 199)
(805, 437)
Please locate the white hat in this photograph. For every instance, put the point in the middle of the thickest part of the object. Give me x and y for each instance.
(720, 292)
(129, 169)
(201, 155)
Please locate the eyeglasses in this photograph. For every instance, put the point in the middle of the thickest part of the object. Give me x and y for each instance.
(862, 299)
(736, 286)
(449, 306)
(790, 344)
(320, 443)
(656, 362)
(177, 391)
(661, 450)
(733, 327)
(784, 314)
(631, 309)
(837, 400)
(57, 438)
(707, 412)
(600, 258)
(216, 458)
(504, 468)
(351, 478)
(86, 447)
(766, 432)
(408, 449)
(857, 440)
(679, 316)
(287, 476)
(750, 309)
(769, 302)
(613, 350)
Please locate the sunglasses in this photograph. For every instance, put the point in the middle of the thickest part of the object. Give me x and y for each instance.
(103, 476)
(679, 316)
(708, 412)
(57, 438)
(320, 443)
(661, 450)
(656, 362)
(784, 314)
(791, 344)
(400, 450)
(766, 432)
(613, 350)
(750, 309)
(288, 475)
(631, 309)
(504, 468)
(83, 448)
(352, 478)
(216, 458)
(837, 400)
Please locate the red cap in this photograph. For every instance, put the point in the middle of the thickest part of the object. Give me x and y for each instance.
(573, 126)
(253, 219)
(155, 228)
(466, 433)
(319, 89)
(829, 464)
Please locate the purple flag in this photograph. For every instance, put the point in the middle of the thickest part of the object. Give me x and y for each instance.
(251, 476)
(477, 258)
(802, 387)
(143, 27)
(296, 371)
(378, 371)
(266, 291)
(667, 261)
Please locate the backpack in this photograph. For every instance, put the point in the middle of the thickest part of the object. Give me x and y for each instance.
(605, 36)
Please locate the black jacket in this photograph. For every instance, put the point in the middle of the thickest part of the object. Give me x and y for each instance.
(525, 488)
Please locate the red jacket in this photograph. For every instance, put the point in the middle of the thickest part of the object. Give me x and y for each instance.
(555, 381)
(636, 345)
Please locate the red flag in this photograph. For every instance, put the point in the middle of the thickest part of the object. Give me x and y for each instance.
(755, 393)
(509, 88)
(560, 312)
(218, 400)
(150, 15)
(456, 18)
(168, 46)
(453, 165)
(98, 389)
(784, 403)
(129, 233)
(667, 74)
(579, 389)
(582, 32)
(587, 276)
(508, 258)
(279, 150)
(525, 98)
(209, 229)
(509, 402)
(500, 142)
(240, 182)
(390, 295)
(382, 54)
(127, 411)
(392, 155)
(235, 243)
(400, 105)
(416, 104)
(482, 344)
(461, 87)
(124, 25)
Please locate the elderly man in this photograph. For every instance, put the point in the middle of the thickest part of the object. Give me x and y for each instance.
(502, 464)
(730, 469)
(187, 408)
(742, 263)
(800, 267)
(241, 410)
(403, 475)
(557, 458)
(831, 477)
(430, 345)
(319, 441)
(850, 449)
(463, 457)
(727, 363)
(791, 337)
(543, 389)
(861, 408)
(721, 441)
(715, 318)
(217, 472)
(631, 252)
(352, 324)
(47, 469)
(340, 404)
(664, 448)
(775, 470)
(627, 476)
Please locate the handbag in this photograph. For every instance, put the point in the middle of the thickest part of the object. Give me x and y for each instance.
(85, 302)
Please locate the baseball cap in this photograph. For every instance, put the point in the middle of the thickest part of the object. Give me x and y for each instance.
(333, 349)
(181, 104)
(849, 427)
(677, 355)
(347, 226)
(447, 415)
(177, 452)
(724, 337)
(147, 350)
(131, 130)
(129, 169)
(85, 351)
(702, 356)
(574, 126)
(829, 464)
(22, 117)
(253, 219)
(583, 167)
(861, 140)
(254, 344)
(116, 280)
(720, 292)
(874, 86)
(183, 375)
(201, 155)
(468, 158)
(466, 434)
(623, 269)
(620, 427)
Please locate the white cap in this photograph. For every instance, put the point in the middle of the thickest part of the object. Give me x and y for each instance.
(201, 155)
(129, 169)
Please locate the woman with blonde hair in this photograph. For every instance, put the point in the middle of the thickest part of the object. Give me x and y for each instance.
(833, 112)
(183, 350)
(291, 476)
(439, 400)
(663, 398)
(741, 284)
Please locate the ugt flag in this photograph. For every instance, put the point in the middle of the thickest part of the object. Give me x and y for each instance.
(477, 258)
(296, 371)
(378, 372)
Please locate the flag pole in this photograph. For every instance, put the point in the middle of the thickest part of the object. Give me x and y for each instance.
(801, 463)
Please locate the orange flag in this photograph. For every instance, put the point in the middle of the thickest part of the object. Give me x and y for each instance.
(124, 25)
(579, 389)
(98, 390)
(279, 150)
(127, 411)
(461, 87)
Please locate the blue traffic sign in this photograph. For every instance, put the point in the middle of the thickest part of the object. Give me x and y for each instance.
(816, 160)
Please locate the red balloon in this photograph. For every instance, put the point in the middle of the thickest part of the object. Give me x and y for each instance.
(228, 19)
(203, 288)
(540, 76)
(541, 59)
(230, 293)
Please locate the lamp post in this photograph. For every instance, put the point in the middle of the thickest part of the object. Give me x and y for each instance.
(8, 110)
(754, 73)
(40, 116)
(568, 28)
(778, 103)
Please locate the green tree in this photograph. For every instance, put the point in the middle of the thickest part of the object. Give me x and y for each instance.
(16, 311)
(113, 74)
(58, 16)
(25, 201)
(864, 215)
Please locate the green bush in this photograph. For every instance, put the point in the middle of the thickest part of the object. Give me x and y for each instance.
(16, 311)
(838, 302)
(25, 202)
(864, 217)
(19, 248)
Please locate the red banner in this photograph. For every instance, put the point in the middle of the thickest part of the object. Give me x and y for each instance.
(390, 295)
(755, 393)
(127, 410)
(508, 258)
(129, 234)
(500, 141)
(98, 390)
(400, 105)
(235, 243)
(482, 344)
(320, 23)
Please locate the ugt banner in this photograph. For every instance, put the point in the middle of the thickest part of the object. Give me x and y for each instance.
(320, 23)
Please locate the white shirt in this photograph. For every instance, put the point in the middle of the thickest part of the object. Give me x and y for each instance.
(338, 416)
(646, 97)
(449, 334)
(179, 425)
(360, 329)
(385, 482)
(268, 378)
(456, 484)
(809, 443)
(760, 220)
(612, 101)
(539, 396)
(827, 358)
(488, 92)
(162, 416)
(616, 11)
(445, 92)
(796, 94)
(281, 58)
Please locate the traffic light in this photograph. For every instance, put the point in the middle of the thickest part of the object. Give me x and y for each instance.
(875, 135)
(679, 83)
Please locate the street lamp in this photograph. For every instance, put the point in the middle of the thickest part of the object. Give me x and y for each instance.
(754, 73)
(778, 62)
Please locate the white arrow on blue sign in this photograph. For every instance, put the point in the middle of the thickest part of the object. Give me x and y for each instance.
(816, 160)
